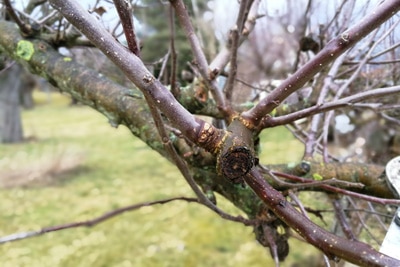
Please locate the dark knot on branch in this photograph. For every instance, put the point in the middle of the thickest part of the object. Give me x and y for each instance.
(236, 163)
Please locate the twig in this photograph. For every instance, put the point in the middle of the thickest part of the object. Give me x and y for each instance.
(296, 200)
(301, 32)
(234, 41)
(174, 88)
(342, 219)
(164, 61)
(383, 201)
(200, 58)
(197, 130)
(183, 168)
(25, 28)
(327, 84)
(362, 223)
(332, 245)
(91, 222)
(343, 102)
(222, 59)
(330, 52)
(124, 9)
(310, 183)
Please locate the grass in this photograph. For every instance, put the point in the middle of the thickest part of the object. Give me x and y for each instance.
(111, 169)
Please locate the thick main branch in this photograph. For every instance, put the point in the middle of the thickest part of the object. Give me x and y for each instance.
(198, 131)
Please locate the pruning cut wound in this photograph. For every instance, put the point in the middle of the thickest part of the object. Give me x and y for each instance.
(236, 163)
(237, 156)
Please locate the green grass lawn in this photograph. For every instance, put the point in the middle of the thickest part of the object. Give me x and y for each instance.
(114, 169)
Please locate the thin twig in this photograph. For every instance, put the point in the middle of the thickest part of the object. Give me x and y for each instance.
(222, 59)
(343, 102)
(173, 55)
(234, 41)
(352, 251)
(362, 223)
(200, 58)
(383, 201)
(91, 222)
(124, 9)
(330, 52)
(342, 219)
(183, 168)
(310, 183)
(25, 28)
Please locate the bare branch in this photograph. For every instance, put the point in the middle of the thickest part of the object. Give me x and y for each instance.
(332, 245)
(197, 130)
(124, 9)
(91, 222)
(235, 34)
(383, 201)
(183, 168)
(222, 59)
(201, 61)
(330, 52)
(342, 219)
(174, 88)
(25, 28)
(343, 102)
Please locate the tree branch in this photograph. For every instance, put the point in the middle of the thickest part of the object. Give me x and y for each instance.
(197, 130)
(323, 107)
(91, 222)
(332, 245)
(222, 59)
(330, 52)
(124, 9)
(201, 61)
(25, 28)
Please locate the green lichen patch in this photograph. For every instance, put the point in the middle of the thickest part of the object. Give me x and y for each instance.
(317, 177)
(25, 50)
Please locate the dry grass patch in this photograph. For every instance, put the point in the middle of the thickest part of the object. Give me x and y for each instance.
(48, 168)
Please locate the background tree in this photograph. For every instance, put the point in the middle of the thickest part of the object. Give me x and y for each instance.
(222, 156)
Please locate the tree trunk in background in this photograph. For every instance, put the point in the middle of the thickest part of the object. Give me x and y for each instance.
(10, 113)
(27, 85)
